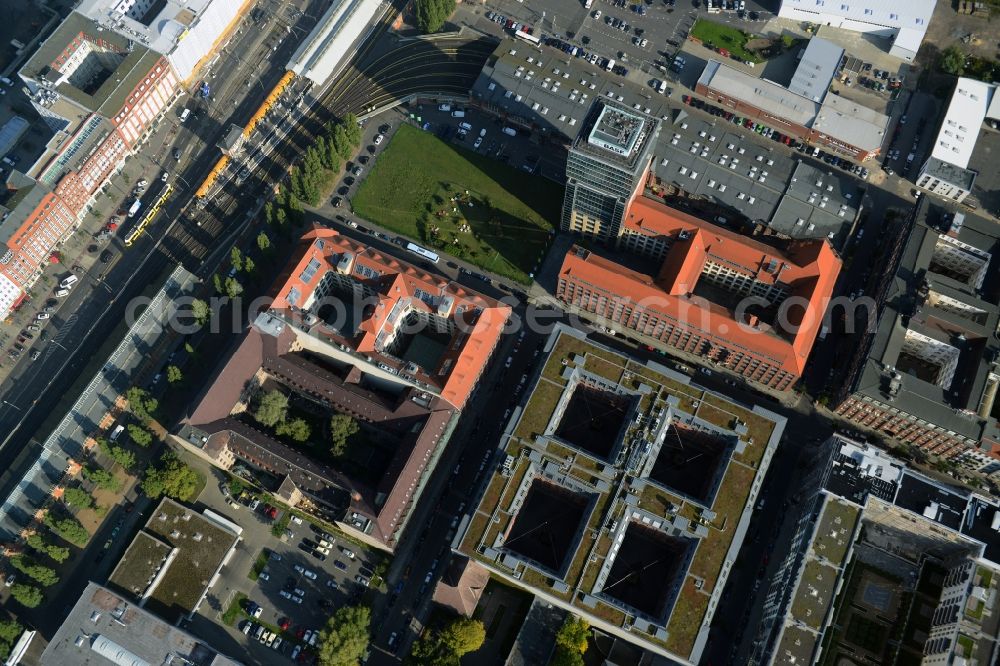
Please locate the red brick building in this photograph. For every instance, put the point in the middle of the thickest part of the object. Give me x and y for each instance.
(750, 307)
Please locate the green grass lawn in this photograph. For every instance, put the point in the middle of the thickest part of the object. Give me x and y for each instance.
(502, 218)
(723, 36)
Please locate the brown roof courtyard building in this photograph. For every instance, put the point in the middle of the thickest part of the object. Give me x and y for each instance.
(356, 333)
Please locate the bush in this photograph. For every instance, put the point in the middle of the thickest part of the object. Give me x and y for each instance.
(28, 596)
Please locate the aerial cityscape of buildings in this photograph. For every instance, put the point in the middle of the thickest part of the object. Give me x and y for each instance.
(380, 333)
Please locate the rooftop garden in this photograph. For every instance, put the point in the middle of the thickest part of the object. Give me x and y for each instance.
(138, 565)
(686, 619)
(833, 537)
(201, 547)
(814, 594)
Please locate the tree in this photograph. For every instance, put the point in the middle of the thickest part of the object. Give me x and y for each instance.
(281, 217)
(200, 311)
(174, 374)
(345, 638)
(102, 478)
(573, 634)
(269, 213)
(28, 596)
(953, 60)
(342, 428)
(297, 429)
(342, 142)
(563, 656)
(39, 544)
(249, 266)
(78, 497)
(431, 14)
(45, 576)
(141, 404)
(263, 241)
(463, 635)
(10, 631)
(119, 454)
(353, 129)
(236, 258)
(217, 283)
(272, 409)
(140, 435)
(189, 348)
(171, 478)
(68, 528)
(233, 287)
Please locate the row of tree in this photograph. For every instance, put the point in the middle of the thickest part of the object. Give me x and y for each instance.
(322, 160)
(10, 631)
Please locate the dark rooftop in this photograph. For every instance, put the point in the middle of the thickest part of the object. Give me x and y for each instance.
(850, 480)
(931, 501)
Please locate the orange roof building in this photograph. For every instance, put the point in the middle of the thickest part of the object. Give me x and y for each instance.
(395, 319)
(749, 306)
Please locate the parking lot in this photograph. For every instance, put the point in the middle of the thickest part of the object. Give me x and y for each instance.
(300, 584)
(654, 30)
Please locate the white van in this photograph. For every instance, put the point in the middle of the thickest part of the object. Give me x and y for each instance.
(69, 281)
(116, 433)
(444, 107)
(458, 114)
(185, 114)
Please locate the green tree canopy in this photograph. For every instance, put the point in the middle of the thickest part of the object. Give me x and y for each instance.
(573, 634)
(139, 435)
(102, 478)
(200, 311)
(953, 60)
(297, 429)
(78, 497)
(563, 656)
(174, 374)
(272, 409)
(432, 14)
(171, 477)
(68, 528)
(140, 403)
(236, 258)
(233, 287)
(342, 428)
(463, 635)
(10, 631)
(345, 638)
(28, 596)
(263, 241)
(45, 576)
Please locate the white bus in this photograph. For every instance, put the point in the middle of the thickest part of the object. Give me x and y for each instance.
(422, 252)
(531, 39)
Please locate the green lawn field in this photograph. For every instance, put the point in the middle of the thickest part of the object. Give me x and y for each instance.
(461, 203)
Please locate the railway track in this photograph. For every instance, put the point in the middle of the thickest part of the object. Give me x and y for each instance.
(441, 67)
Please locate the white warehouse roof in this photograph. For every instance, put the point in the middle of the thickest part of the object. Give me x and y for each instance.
(851, 122)
(959, 131)
(318, 57)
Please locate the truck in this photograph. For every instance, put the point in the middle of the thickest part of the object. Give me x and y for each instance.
(587, 4)
(661, 87)
(610, 64)
(134, 208)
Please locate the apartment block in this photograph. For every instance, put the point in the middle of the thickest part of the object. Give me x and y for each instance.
(751, 307)
(880, 550)
(927, 373)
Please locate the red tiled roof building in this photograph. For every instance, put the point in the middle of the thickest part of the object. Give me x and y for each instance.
(748, 306)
